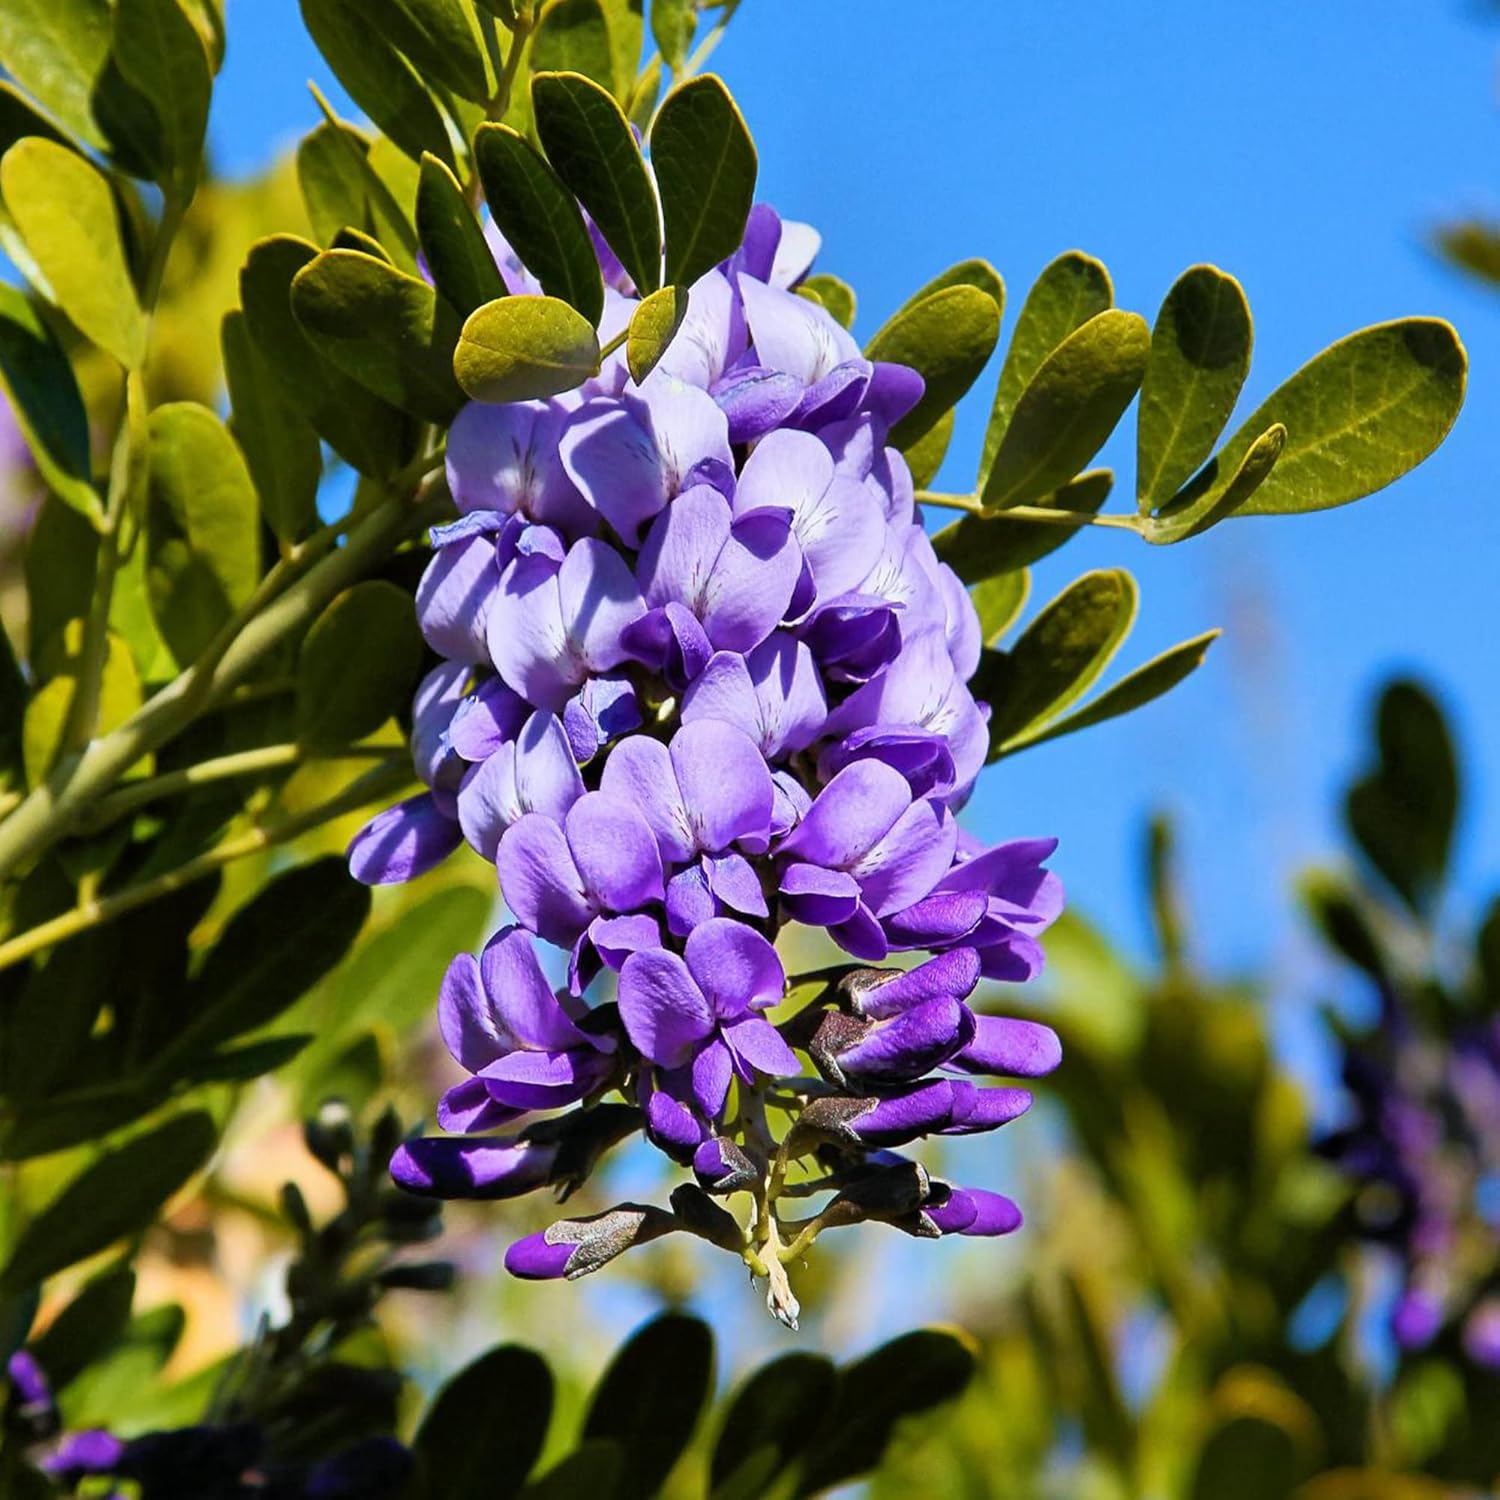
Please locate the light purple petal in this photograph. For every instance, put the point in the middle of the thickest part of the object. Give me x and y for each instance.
(909, 860)
(505, 458)
(547, 779)
(711, 1072)
(489, 717)
(615, 852)
(735, 884)
(540, 882)
(615, 938)
(520, 996)
(792, 334)
(734, 966)
(817, 896)
(527, 639)
(598, 599)
(689, 900)
(682, 548)
(611, 456)
(664, 1012)
(454, 597)
(639, 770)
(712, 335)
(850, 815)
(757, 1044)
(469, 1107)
(469, 1025)
(725, 786)
(751, 584)
(402, 842)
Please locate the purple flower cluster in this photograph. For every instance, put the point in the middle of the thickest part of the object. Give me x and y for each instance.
(1424, 1145)
(703, 675)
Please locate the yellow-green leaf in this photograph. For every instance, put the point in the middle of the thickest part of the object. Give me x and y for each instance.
(836, 295)
(1207, 501)
(65, 213)
(47, 714)
(1069, 408)
(652, 328)
(573, 36)
(522, 348)
(161, 53)
(998, 601)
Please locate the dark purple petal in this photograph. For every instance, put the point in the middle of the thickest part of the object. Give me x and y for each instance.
(975, 1110)
(711, 1069)
(909, 1045)
(948, 976)
(437, 1167)
(535, 1258)
(756, 1044)
(905, 1116)
(894, 390)
(756, 400)
(930, 923)
(1021, 1049)
(850, 815)
(402, 842)
(952, 1209)
(994, 1213)
(468, 1108)
(470, 1028)
(521, 999)
(546, 1080)
(734, 966)
(722, 1167)
(819, 897)
(689, 900)
(923, 758)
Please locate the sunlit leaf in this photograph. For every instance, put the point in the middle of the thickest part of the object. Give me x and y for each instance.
(521, 348)
(977, 546)
(572, 36)
(673, 23)
(120, 696)
(652, 328)
(441, 39)
(56, 50)
(837, 296)
(1216, 495)
(334, 190)
(998, 601)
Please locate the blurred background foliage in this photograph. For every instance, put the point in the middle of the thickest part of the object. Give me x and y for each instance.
(1202, 1304)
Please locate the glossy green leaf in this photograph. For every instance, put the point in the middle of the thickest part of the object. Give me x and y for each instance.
(705, 166)
(1200, 355)
(86, 1329)
(653, 326)
(349, 238)
(769, 1421)
(627, 32)
(1207, 500)
(279, 444)
(457, 253)
(42, 728)
(837, 296)
(1071, 290)
(908, 1376)
(592, 1469)
(389, 182)
(1070, 407)
(1136, 689)
(673, 24)
(273, 949)
(649, 1399)
(572, 36)
(389, 331)
(56, 50)
(440, 37)
(998, 601)
(590, 145)
(1359, 416)
(487, 1426)
(334, 189)
(65, 212)
(539, 217)
(925, 456)
(202, 526)
(521, 348)
(1059, 655)
(977, 546)
(115, 1196)
(161, 53)
(979, 274)
(358, 665)
(19, 118)
(946, 338)
(43, 393)
(368, 433)
(378, 78)
(1403, 812)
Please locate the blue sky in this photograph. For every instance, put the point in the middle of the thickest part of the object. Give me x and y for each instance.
(1305, 148)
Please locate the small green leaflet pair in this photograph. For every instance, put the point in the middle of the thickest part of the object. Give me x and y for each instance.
(1350, 422)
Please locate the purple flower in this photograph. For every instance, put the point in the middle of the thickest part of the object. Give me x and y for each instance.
(773, 695)
(521, 1040)
(573, 1247)
(698, 1019)
(533, 773)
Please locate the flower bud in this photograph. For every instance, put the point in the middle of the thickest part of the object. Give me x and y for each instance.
(572, 1248)
(721, 1167)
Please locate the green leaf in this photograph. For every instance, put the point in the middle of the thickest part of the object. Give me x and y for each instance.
(18, 118)
(977, 546)
(378, 78)
(925, 456)
(653, 326)
(909, 1375)
(998, 601)
(522, 348)
(334, 190)
(1069, 408)
(273, 949)
(160, 52)
(588, 141)
(1200, 355)
(1358, 417)
(946, 338)
(1207, 501)
(1138, 688)
(627, 32)
(441, 39)
(280, 446)
(539, 217)
(117, 1195)
(768, 1423)
(388, 330)
(1059, 655)
(56, 50)
(837, 296)
(457, 253)
(241, 1064)
(389, 179)
(487, 1426)
(46, 715)
(65, 212)
(112, 1388)
(61, 553)
(705, 167)
(38, 380)
(87, 1328)
(673, 25)
(1073, 289)
(1403, 812)
(1338, 916)
(349, 238)
(976, 273)
(368, 433)
(649, 1399)
(358, 665)
(591, 1469)
(202, 526)
(1248, 1458)
(572, 36)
